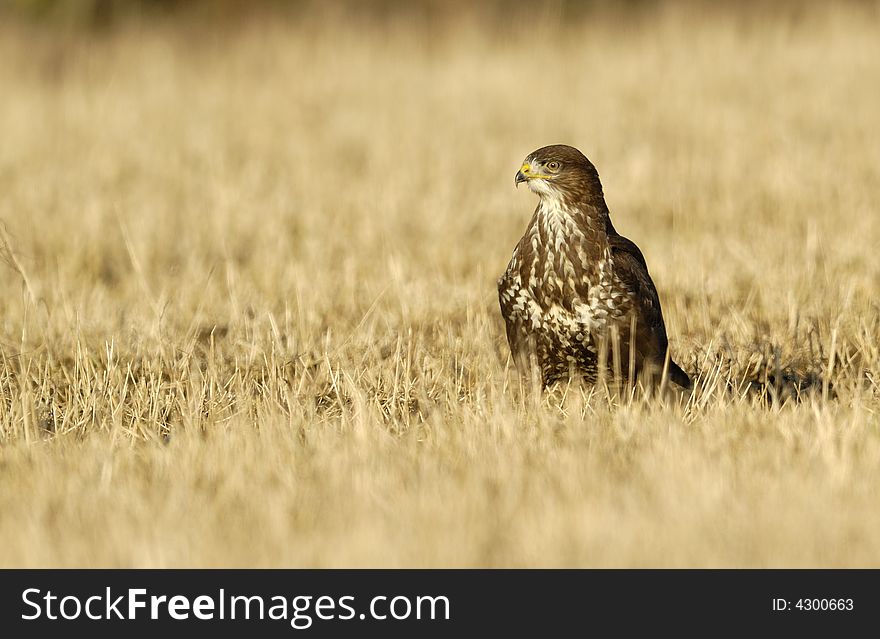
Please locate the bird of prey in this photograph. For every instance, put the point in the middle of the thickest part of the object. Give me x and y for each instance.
(574, 286)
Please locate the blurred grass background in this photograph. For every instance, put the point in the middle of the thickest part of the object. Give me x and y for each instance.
(103, 13)
(248, 283)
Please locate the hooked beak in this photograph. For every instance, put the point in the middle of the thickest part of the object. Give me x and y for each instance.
(522, 175)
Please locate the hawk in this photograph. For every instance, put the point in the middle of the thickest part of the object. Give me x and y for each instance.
(574, 286)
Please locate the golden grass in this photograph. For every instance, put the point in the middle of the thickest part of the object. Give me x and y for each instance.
(249, 315)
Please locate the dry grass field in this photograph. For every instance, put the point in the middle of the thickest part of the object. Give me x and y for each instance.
(249, 314)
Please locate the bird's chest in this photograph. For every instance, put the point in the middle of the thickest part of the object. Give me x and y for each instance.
(562, 281)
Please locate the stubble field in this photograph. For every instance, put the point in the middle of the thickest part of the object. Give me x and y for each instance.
(249, 313)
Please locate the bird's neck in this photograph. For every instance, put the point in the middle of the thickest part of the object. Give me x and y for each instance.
(559, 218)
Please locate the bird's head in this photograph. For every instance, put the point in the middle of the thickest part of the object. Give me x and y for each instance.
(560, 171)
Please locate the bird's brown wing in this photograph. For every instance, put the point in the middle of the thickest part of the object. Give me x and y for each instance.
(508, 291)
(521, 342)
(514, 326)
(650, 340)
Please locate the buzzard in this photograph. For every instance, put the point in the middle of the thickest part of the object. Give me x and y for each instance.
(575, 289)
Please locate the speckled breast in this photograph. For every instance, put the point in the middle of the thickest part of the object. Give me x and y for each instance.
(563, 292)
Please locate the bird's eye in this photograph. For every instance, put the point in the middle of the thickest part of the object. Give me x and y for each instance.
(553, 166)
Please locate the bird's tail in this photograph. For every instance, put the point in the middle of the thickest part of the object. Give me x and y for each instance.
(678, 376)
